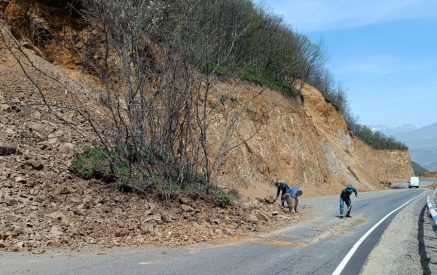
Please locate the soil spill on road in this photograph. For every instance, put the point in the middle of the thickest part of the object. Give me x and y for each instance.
(283, 244)
(338, 229)
(243, 239)
(233, 240)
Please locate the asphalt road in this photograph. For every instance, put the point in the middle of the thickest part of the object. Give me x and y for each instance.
(315, 247)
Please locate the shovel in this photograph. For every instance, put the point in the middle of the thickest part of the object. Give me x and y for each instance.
(350, 206)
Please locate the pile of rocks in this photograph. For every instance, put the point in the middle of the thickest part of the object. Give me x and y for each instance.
(38, 213)
(42, 205)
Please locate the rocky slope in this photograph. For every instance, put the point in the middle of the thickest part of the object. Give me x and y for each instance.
(43, 205)
(306, 144)
(303, 141)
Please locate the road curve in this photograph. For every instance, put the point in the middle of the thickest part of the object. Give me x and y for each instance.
(315, 247)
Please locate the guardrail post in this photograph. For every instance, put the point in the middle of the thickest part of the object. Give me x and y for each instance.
(430, 202)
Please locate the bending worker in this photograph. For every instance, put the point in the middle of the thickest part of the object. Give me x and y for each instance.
(345, 198)
(289, 194)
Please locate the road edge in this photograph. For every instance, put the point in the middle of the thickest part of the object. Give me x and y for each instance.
(430, 202)
(352, 251)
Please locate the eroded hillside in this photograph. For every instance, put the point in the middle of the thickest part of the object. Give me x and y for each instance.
(306, 144)
(303, 140)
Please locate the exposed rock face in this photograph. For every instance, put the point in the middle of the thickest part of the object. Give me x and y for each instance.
(42, 205)
(305, 143)
(308, 145)
(45, 28)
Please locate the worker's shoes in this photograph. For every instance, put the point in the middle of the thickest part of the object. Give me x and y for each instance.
(348, 216)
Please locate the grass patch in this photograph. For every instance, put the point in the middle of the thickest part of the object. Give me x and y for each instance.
(96, 163)
(268, 81)
(222, 197)
(195, 189)
(262, 79)
(169, 190)
(92, 163)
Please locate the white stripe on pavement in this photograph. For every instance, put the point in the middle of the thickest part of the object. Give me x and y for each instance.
(354, 248)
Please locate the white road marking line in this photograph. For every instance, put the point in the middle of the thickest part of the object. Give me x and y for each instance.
(354, 248)
(145, 263)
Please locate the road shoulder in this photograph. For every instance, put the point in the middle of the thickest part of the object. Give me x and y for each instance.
(401, 249)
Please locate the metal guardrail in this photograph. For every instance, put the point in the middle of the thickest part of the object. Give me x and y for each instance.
(431, 206)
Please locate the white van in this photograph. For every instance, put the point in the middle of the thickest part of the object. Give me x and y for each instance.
(414, 182)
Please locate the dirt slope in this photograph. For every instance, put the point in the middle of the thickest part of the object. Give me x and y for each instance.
(306, 144)
(302, 141)
(42, 205)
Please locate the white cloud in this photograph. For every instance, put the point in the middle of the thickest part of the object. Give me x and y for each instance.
(316, 15)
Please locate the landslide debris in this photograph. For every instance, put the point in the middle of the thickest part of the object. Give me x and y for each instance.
(42, 205)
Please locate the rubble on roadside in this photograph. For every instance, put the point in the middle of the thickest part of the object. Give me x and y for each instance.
(43, 206)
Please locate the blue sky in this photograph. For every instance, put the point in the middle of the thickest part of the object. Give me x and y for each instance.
(383, 52)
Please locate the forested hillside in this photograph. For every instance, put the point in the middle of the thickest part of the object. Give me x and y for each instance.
(238, 38)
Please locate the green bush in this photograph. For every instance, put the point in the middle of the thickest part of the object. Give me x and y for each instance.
(263, 79)
(376, 139)
(95, 163)
(92, 163)
(196, 189)
(222, 198)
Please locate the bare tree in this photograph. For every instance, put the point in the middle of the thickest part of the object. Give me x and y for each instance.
(155, 87)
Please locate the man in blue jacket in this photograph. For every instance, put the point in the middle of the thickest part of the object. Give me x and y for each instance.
(289, 195)
(345, 198)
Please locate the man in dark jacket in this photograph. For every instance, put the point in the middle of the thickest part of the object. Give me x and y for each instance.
(289, 195)
(345, 198)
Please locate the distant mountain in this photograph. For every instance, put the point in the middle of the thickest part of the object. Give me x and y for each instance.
(426, 157)
(425, 133)
(392, 131)
(418, 169)
(422, 143)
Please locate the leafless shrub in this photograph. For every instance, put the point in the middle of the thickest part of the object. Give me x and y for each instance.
(156, 118)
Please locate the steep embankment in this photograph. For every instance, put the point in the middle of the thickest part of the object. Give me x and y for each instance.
(43, 205)
(303, 141)
(306, 144)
